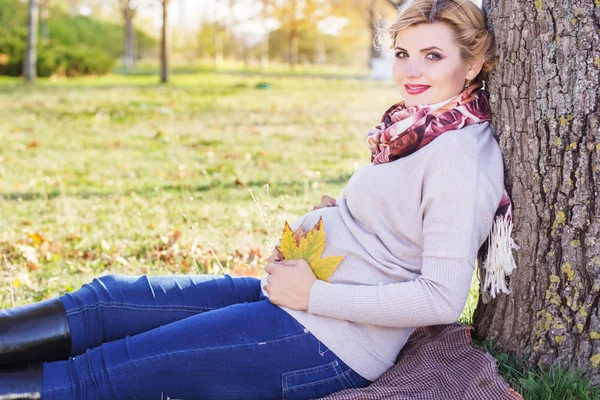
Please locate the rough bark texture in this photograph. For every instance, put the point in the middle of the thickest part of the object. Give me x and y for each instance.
(545, 99)
(29, 65)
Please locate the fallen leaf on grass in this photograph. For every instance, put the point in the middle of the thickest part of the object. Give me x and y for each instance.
(36, 238)
(238, 182)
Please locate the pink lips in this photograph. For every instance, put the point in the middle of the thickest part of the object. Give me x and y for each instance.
(415, 89)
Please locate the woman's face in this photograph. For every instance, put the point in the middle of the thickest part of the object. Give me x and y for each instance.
(427, 64)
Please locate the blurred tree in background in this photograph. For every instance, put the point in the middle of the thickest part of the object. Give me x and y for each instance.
(71, 45)
(129, 10)
(78, 37)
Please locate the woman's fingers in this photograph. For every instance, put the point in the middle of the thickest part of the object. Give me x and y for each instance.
(326, 201)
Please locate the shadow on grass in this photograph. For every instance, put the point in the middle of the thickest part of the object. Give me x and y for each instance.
(279, 188)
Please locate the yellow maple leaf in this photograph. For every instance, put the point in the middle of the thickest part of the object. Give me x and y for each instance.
(36, 238)
(308, 246)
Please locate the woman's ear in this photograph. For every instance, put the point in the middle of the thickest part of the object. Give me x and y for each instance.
(474, 70)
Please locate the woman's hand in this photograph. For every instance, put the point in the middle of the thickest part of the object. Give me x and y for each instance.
(326, 201)
(289, 283)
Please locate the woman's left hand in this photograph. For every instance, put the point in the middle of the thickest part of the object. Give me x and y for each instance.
(289, 283)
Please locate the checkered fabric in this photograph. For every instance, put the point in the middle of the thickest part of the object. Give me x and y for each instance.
(437, 362)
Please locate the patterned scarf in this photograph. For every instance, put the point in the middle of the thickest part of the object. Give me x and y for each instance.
(396, 137)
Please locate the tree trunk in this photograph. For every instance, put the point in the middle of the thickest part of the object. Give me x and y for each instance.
(29, 65)
(218, 46)
(545, 97)
(374, 20)
(74, 7)
(264, 53)
(294, 46)
(129, 56)
(164, 72)
(320, 52)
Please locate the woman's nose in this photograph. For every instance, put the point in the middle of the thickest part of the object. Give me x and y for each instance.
(412, 70)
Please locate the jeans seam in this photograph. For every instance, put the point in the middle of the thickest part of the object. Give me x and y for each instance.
(341, 375)
(321, 382)
(352, 378)
(305, 371)
(130, 306)
(103, 371)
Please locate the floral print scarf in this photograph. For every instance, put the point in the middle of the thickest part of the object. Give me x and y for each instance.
(396, 137)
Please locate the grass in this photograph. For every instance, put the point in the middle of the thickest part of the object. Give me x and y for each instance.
(121, 175)
(534, 383)
(118, 174)
(150, 67)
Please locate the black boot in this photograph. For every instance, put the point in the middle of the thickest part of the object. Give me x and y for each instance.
(34, 332)
(23, 382)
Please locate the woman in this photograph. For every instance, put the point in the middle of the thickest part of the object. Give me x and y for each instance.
(409, 224)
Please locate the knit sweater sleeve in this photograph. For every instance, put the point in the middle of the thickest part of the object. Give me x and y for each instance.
(459, 200)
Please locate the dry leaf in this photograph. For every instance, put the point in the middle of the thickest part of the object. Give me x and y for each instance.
(308, 246)
(36, 238)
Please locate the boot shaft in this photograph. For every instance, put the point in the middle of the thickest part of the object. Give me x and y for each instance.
(34, 332)
(21, 382)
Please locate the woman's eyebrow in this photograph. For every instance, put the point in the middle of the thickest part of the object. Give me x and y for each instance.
(422, 50)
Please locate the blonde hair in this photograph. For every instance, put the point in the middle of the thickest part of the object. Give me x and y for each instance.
(464, 18)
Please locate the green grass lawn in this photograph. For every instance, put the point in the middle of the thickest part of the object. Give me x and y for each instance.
(121, 175)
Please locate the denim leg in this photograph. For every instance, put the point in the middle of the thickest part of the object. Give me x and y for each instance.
(244, 351)
(114, 306)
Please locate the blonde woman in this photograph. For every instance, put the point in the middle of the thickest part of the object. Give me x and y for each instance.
(410, 225)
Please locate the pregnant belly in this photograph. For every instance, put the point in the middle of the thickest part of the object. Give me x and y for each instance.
(339, 242)
(339, 239)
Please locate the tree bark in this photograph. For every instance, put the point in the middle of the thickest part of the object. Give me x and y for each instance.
(129, 56)
(545, 97)
(164, 71)
(374, 20)
(264, 53)
(74, 7)
(29, 65)
(320, 52)
(218, 40)
(294, 46)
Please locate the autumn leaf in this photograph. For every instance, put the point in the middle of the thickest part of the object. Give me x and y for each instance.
(308, 246)
(36, 238)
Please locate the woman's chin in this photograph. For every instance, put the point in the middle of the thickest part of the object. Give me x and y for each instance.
(414, 100)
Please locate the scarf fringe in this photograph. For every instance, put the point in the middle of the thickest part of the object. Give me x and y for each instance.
(499, 262)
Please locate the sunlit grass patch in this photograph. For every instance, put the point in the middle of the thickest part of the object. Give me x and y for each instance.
(121, 175)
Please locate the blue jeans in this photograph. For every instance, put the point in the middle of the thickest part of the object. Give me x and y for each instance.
(186, 337)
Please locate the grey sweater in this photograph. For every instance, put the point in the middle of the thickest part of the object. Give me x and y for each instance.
(410, 230)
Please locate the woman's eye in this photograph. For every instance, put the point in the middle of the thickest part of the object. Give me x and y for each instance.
(436, 56)
(401, 54)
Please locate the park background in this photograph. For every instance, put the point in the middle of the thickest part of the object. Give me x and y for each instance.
(176, 137)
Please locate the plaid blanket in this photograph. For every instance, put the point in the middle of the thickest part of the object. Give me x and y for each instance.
(437, 362)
